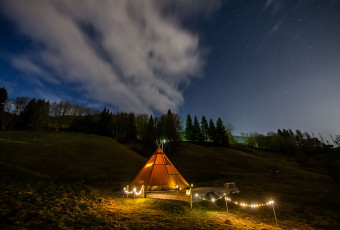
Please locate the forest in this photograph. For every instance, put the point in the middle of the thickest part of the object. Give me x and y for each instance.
(23, 113)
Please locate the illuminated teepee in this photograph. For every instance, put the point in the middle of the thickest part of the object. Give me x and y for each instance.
(159, 174)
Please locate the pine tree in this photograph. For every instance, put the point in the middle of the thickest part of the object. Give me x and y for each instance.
(105, 123)
(132, 129)
(211, 131)
(204, 128)
(3, 99)
(188, 129)
(197, 134)
(221, 134)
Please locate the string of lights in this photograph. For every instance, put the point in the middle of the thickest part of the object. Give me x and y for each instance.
(133, 191)
(227, 199)
(242, 204)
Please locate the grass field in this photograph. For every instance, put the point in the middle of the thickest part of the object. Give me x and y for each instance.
(65, 180)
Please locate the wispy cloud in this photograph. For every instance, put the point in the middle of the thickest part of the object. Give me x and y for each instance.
(132, 54)
(273, 6)
(29, 67)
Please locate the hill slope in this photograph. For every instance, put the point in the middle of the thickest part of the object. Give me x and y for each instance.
(36, 167)
(301, 194)
(69, 156)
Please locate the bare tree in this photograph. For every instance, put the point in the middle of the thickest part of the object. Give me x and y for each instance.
(19, 104)
(229, 128)
(337, 140)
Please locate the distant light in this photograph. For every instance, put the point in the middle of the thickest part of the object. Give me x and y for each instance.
(212, 200)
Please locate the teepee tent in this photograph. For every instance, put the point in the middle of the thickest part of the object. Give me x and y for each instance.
(159, 174)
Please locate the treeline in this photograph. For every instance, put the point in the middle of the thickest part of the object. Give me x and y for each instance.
(204, 132)
(288, 141)
(129, 126)
(23, 113)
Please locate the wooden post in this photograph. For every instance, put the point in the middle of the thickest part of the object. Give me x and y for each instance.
(274, 214)
(123, 199)
(190, 198)
(226, 202)
(143, 193)
(127, 189)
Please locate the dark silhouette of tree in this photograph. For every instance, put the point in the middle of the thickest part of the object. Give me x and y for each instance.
(125, 126)
(3, 99)
(299, 137)
(337, 141)
(221, 135)
(132, 129)
(169, 126)
(188, 132)
(197, 134)
(83, 124)
(229, 128)
(285, 133)
(151, 132)
(291, 133)
(142, 126)
(19, 105)
(204, 128)
(212, 131)
(105, 123)
(307, 135)
(35, 115)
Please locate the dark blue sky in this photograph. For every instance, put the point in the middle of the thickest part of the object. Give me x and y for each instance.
(259, 65)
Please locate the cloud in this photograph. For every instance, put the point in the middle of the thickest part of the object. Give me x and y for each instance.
(131, 54)
(28, 66)
(273, 6)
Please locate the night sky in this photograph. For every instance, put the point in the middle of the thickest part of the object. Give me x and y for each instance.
(259, 65)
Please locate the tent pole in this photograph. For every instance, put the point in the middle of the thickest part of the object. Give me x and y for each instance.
(153, 165)
(170, 169)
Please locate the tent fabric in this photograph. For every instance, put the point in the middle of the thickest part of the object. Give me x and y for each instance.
(159, 174)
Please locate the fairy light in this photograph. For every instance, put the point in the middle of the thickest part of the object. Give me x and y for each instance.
(134, 191)
(213, 200)
(242, 204)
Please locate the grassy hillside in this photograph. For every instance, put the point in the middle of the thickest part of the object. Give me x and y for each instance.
(69, 156)
(302, 195)
(61, 180)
